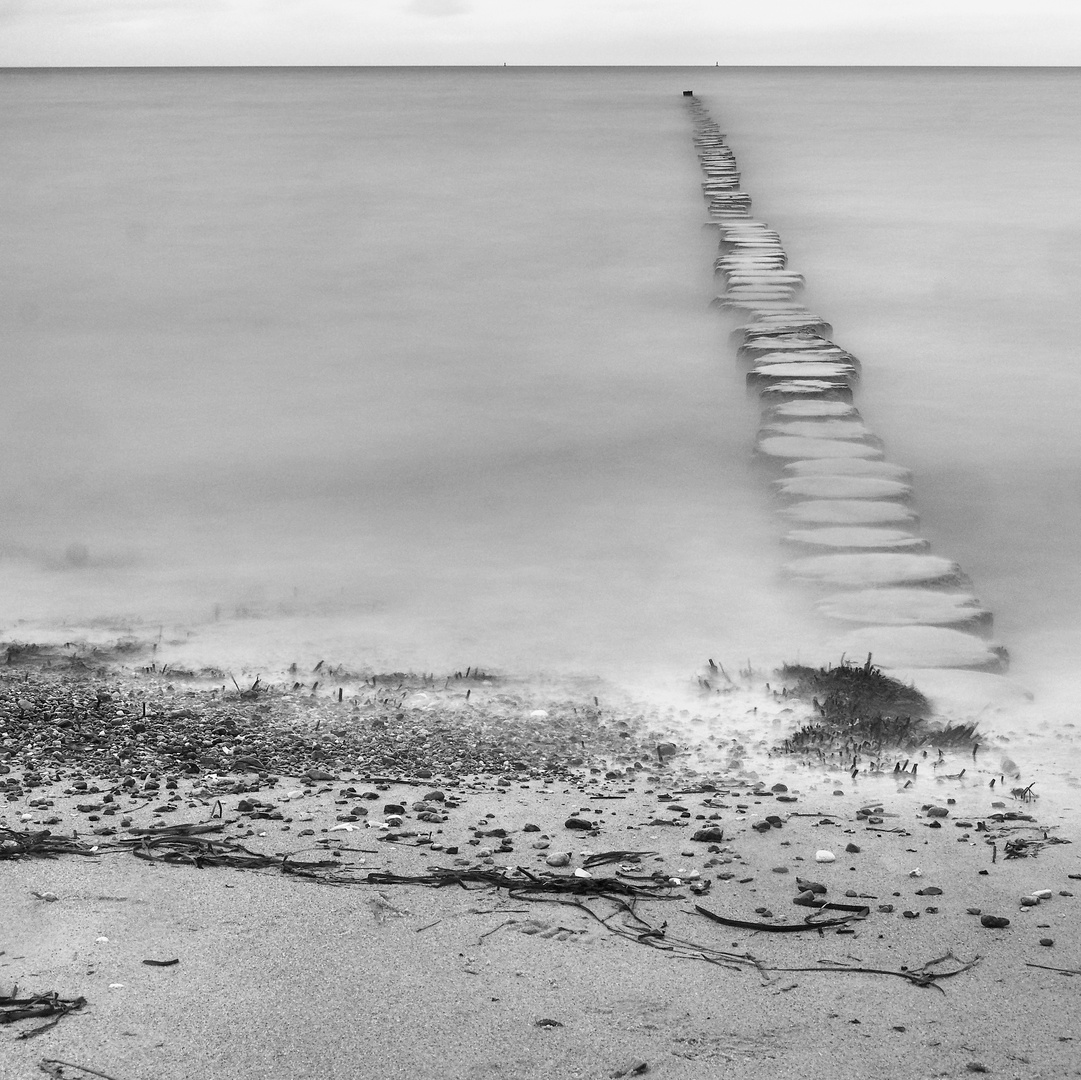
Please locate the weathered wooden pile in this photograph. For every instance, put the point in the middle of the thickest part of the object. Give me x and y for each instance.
(847, 509)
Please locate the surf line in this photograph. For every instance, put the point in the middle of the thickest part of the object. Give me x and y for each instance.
(847, 509)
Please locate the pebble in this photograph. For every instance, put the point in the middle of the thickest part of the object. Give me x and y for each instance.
(1047, 942)
(1029, 901)
(578, 823)
(937, 811)
(710, 834)
(852, 849)
(824, 856)
(994, 922)
(558, 858)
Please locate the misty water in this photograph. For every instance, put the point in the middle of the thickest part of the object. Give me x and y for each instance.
(413, 368)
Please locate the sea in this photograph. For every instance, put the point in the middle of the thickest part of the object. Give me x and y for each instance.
(414, 368)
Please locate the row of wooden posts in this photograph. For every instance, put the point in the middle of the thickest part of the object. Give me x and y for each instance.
(847, 509)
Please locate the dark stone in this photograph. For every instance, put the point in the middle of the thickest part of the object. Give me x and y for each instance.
(578, 823)
(711, 834)
(994, 922)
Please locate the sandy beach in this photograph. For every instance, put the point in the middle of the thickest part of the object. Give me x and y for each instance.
(339, 974)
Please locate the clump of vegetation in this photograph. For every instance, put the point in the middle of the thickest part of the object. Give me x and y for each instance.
(849, 691)
(864, 713)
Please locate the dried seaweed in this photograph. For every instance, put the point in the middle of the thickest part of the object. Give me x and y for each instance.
(924, 975)
(856, 911)
(602, 858)
(38, 1006)
(52, 1067)
(1061, 971)
(41, 845)
(528, 886)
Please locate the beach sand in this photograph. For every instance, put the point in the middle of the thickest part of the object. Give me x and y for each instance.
(283, 977)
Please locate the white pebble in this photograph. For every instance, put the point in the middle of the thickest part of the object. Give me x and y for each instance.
(824, 856)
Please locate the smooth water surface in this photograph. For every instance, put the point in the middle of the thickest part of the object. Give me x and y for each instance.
(414, 367)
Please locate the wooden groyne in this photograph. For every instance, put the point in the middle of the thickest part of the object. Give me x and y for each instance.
(847, 509)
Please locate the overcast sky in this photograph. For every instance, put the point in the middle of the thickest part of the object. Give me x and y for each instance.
(149, 32)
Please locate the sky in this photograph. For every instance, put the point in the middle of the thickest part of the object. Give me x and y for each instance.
(61, 33)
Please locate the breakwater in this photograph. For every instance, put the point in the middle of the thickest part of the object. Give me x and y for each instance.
(847, 510)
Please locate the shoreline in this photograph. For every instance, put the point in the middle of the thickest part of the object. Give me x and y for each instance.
(280, 975)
